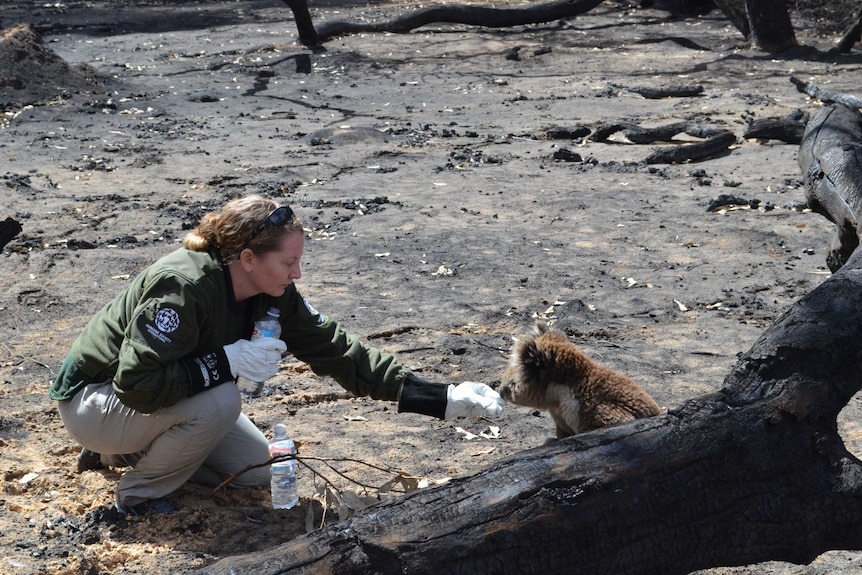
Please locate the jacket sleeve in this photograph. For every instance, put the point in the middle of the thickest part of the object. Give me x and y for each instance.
(330, 351)
(163, 331)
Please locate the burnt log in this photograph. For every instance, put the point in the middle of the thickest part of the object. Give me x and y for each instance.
(826, 96)
(788, 129)
(655, 93)
(765, 22)
(830, 157)
(716, 140)
(754, 472)
(470, 15)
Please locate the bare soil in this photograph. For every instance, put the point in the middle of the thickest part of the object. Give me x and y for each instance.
(446, 209)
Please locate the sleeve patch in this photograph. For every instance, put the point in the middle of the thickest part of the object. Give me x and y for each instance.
(166, 321)
(313, 311)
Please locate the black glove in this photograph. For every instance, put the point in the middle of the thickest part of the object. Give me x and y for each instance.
(448, 401)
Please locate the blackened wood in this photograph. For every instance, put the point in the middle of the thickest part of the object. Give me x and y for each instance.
(765, 23)
(442, 13)
(851, 35)
(788, 129)
(639, 135)
(736, 12)
(716, 140)
(769, 19)
(304, 25)
(711, 146)
(830, 157)
(657, 92)
(769, 22)
(464, 14)
(826, 96)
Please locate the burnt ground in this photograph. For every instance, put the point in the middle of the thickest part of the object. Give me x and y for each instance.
(449, 201)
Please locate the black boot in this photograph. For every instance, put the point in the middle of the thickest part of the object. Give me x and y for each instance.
(89, 461)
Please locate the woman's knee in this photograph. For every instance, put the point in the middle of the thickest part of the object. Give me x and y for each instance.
(222, 405)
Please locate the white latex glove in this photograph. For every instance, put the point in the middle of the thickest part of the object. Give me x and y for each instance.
(472, 399)
(255, 360)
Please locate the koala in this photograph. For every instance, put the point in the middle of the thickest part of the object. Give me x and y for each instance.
(547, 371)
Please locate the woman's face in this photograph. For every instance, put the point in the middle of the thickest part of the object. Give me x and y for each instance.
(272, 272)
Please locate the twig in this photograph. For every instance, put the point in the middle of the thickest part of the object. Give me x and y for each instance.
(393, 331)
(302, 460)
(489, 346)
(654, 93)
(415, 349)
(39, 363)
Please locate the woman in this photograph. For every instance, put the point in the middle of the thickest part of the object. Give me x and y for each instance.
(150, 381)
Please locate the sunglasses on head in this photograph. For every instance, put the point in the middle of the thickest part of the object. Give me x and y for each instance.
(276, 218)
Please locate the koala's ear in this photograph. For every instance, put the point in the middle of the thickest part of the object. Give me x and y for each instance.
(540, 327)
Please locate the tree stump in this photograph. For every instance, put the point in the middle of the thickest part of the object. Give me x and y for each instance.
(766, 23)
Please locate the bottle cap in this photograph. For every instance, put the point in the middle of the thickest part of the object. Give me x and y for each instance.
(280, 429)
(273, 311)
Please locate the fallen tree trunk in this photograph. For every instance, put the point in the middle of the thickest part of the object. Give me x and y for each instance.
(470, 15)
(766, 23)
(754, 472)
(831, 160)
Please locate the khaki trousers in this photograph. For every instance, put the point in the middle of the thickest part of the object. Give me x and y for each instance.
(202, 438)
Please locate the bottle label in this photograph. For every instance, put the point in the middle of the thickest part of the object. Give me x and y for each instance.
(259, 333)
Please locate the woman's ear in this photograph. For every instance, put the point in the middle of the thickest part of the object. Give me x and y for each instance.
(246, 258)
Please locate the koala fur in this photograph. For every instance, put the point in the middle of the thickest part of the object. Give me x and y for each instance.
(547, 371)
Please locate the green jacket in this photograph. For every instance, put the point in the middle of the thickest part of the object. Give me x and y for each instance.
(162, 339)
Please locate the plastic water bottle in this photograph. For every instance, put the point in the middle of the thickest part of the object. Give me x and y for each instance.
(283, 485)
(267, 326)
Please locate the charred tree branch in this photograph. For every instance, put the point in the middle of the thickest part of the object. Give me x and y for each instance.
(439, 14)
(716, 140)
(826, 96)
(788, 129)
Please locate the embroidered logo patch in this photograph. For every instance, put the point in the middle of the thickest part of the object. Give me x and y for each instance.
(167, 320)
(312, 311)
